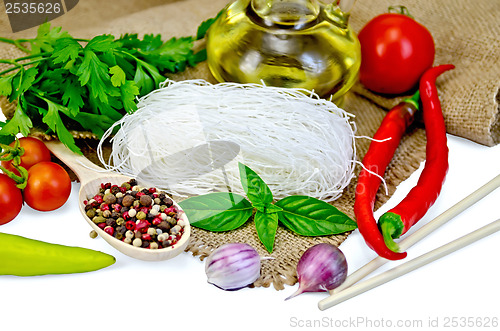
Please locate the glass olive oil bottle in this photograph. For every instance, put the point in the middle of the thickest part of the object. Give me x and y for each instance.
(286, 43)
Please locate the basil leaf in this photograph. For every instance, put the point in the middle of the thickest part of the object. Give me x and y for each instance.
(267, 208)
(221, 211)
(308, 216)
(256, 189)
(266, 226)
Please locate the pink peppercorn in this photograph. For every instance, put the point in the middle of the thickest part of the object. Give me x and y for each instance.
(130, 225)
(170, 210)
(102, 225)
(139, 194)
(142, 226)
(146, 236)
(152, 190)
(145, 210)
(109, 230)
(156, 221)
(125, 215)
(117, 207)
(104, 207)
(98, 199)
(123, 189)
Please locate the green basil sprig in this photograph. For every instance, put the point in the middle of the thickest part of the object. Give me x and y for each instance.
(304, 215)
(222, 211)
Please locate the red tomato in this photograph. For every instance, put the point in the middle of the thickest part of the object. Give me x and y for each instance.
(395, 52)
(48, 186)
(11, 199)
(34, 151)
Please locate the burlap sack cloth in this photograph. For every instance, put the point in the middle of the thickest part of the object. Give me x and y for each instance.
(466, 33)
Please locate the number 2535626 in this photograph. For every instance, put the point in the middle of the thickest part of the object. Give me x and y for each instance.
(33, 8)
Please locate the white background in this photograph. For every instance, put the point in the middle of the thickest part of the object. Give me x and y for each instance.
(174, 294)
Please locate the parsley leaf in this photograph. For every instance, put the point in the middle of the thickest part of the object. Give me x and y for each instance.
(55, 123)
(129, 91)
(118, 76)
(151, 42)
(66, 49)
(73, 96)
(153, 72)
(205, 25)
(143, 81)
(172, 55)
(6, 85)
(95, 73)
(94, 122)
(46, 38)
(19, 123)
(7, 139)
(22, 81)
(103, 43)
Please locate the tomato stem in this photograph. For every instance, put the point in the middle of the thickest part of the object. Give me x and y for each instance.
(14, 154)
(400, 10)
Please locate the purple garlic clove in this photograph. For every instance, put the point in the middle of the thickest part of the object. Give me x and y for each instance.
(321, 268)
(233, 266)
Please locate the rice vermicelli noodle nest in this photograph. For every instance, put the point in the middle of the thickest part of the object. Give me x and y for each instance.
(187, 138)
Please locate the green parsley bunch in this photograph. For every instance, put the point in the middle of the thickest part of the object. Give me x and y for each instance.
(68, 84)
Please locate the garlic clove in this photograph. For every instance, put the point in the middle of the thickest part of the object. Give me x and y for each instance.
(233, 266)
(321, 268)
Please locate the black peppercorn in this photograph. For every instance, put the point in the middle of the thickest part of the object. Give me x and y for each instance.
(121, 229)
(145, 200)
(111, 222)
(164, 226)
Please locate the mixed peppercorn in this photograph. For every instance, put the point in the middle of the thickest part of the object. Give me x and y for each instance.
(142, 217)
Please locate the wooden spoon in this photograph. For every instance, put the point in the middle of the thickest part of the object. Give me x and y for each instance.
(91, 176)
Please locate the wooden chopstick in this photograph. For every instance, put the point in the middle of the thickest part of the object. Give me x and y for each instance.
(409, 266)
(415, 237)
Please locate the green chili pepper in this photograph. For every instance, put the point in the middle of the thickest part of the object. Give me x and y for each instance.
(21, 256)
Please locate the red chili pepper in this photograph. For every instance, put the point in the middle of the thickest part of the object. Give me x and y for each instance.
(415, 205)
(375, 161)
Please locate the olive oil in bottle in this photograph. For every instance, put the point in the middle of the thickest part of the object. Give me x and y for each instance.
(286, 43)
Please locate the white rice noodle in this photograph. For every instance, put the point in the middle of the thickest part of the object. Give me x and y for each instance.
(187, 138)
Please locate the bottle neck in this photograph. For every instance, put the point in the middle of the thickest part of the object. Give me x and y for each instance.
(286, 12)
(296, 14)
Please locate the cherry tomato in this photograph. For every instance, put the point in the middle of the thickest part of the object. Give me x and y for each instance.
(11, 199)
(34, 151)
(48, 186)
(395, 52)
